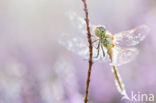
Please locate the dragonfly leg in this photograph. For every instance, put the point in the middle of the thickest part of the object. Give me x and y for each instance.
(94, 42)
(98, 48)
(92, 36)
(103, 51)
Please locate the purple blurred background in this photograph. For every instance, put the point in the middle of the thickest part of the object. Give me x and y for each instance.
(34, 68)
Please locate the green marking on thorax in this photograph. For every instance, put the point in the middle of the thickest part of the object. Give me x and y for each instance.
(104, 39)
(103, 33)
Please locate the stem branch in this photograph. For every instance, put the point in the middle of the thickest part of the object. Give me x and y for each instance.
(90, 51)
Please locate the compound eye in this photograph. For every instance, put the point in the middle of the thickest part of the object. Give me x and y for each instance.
(99, 31)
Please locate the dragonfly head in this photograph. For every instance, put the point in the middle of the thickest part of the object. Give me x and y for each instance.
(100, 31)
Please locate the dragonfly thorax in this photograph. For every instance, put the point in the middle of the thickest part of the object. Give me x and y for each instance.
(107, 41)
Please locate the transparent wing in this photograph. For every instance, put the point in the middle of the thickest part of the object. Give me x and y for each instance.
(123, 55)
(132, 37)
(75, 44)
(78, 23)
(79, 45)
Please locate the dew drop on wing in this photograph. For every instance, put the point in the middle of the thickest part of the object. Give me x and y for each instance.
(74, 44)
(131, 37)
(77, 22)
(123, 55)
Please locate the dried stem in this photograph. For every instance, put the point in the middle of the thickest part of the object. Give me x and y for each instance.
(90, 51)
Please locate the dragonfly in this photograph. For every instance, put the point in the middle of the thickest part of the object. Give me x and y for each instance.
(118, 48)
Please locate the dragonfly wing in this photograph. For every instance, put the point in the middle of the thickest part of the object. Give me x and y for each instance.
(132, 37)
(78, 23)
(123, 55)
(75, 44)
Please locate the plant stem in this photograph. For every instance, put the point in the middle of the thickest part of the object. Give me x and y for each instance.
(90, 51)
